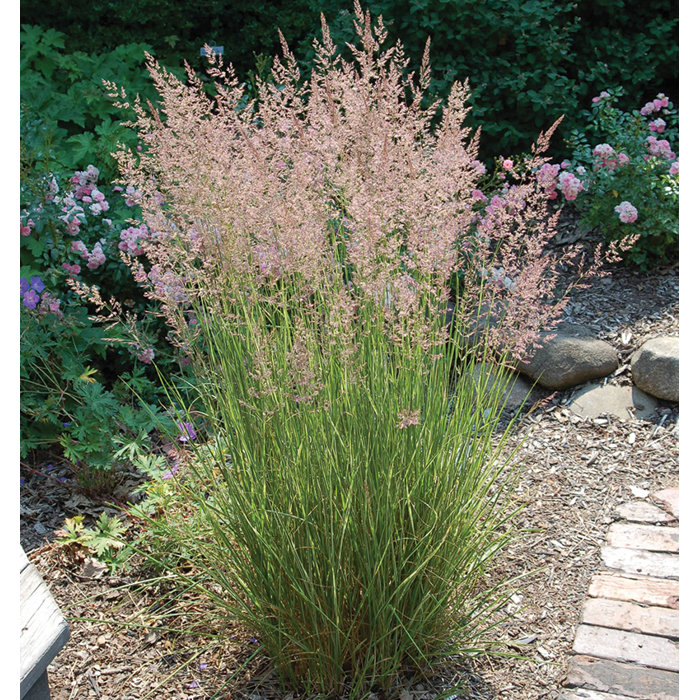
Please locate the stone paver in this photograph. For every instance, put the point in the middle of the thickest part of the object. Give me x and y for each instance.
(626, 645)
(585, 694)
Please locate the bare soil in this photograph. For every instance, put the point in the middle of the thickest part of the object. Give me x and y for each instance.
(574, 473)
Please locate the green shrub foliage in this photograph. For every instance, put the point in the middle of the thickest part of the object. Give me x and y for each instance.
(529, 61)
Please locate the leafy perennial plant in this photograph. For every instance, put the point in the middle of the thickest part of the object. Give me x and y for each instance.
(628, 181)
(347, 480)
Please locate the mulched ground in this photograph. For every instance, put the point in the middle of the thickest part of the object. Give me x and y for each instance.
(574, 473)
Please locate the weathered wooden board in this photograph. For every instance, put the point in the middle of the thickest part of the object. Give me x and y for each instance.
(636, 589)
(622, 615)
(43, 632)
(644, 649)
(643, 512)
(606, 676)
(653, 538)
(639, 561)
(585, 694)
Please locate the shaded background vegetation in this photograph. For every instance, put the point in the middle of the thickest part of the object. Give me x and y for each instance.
(528, 60)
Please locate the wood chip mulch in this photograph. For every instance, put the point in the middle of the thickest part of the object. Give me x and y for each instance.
(575, 472)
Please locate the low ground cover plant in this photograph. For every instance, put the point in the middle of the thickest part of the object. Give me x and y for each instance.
(344, 484)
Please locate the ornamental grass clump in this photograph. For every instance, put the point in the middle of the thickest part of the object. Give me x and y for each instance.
(348, 486)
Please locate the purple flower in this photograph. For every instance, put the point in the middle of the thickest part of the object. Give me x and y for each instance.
(187, 432)
(37, 285)
(202, 666)
(193, 685)
(30, 299)
(253, 640)
(49, 467)
(22, 480)
(170, 473)
(23, 285)
(62, 479)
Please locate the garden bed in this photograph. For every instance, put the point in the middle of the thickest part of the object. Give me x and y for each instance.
(575, 472)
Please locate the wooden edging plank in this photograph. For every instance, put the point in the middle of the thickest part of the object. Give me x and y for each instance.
(606, 676)
(639, 561)
(635, 589)
(617, 645)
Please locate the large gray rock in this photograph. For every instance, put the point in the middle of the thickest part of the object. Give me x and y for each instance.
(655, 367)
(514, 389)
(572, 356)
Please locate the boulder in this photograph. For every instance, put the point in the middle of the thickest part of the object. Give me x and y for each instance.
(655, 367)
(572, 356)
(515, 389)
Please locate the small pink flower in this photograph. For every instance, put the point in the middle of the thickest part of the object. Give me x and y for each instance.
(673, 170)
(570, 186)
(658, 125)
(623, 158)
(408, 418)
(507, 164)
(146, 356)
(80, 248)
(479, 196)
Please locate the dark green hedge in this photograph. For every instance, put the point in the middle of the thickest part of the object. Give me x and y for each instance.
(528, 60)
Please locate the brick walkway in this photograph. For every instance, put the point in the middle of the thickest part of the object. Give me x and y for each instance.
(626, 645)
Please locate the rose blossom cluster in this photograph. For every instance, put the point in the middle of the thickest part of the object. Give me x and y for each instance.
(94, 258)
(600, 97)
(627, 213)
(555, 177)
(660, 148)
(570, 185)
(658, 125)
(657, 105)
(132, 196)
(146, 355)
(547, 179)
(607, 157)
